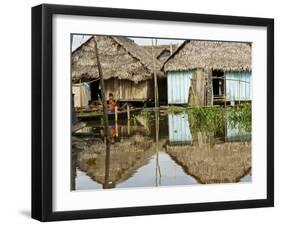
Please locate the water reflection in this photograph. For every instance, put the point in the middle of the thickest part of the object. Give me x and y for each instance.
(157, 148)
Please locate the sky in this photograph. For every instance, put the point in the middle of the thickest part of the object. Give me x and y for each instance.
(80, 39)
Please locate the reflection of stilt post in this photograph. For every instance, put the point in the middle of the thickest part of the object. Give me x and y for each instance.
(157, 147)
(106, 183)
(73, 169)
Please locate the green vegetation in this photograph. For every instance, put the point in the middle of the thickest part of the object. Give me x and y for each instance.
(134, 120)
(146, 114)
(215, 118)
(207, 119)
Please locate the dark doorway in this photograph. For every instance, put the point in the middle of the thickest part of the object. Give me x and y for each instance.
(95, 91)
(162, 91)
(218, 83)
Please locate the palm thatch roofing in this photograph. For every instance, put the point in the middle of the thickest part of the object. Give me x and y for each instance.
(210, 55)
(120, 58)
(222, 163)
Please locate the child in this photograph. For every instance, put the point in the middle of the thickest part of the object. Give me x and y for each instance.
(111, 104)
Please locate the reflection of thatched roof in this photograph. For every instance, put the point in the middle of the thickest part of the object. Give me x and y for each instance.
(125, 158)
(223, 163)
(160, 49)
(120, 57)
(227, 56)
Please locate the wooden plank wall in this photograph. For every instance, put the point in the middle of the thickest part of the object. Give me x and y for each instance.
(126, 90)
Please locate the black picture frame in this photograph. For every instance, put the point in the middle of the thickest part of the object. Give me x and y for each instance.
(42, 108)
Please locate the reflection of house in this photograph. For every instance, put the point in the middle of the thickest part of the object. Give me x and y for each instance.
(179, 130)
(82, 94)
(217, 163)
(205, 72)
(237, 133)
(127, 68)
(125, 158)
(237, 130)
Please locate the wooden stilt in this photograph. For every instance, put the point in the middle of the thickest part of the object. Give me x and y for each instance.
(239, 88)
(224, 88)
(116, 120)
(128, 112)
(116, 114)
(81, 94)
(128, 127)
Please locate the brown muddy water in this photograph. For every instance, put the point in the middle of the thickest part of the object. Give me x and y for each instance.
(162, 149)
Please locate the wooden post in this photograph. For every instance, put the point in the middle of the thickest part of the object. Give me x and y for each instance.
(128, 112)
(116, 120)
(210, 88)
(116, 113)
(128, 127)
(239, 88)
(104, 104)
(156, 97)
(224, 87)
(80, 93)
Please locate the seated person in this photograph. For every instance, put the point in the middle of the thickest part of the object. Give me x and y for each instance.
(111, 104)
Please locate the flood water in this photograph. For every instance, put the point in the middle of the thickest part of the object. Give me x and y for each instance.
(161, 149)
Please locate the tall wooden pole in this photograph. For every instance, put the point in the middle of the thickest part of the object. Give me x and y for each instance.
(103, 98)
(156, 97)
(224, 87)
(239, 88)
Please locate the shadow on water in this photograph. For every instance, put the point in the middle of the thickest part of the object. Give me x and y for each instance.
(164, 148)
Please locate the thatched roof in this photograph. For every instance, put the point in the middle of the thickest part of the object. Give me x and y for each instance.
(215, 55)
(120, 57)
(222, 163)
(124, 159)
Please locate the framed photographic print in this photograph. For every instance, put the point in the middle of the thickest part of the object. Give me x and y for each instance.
(146, 112)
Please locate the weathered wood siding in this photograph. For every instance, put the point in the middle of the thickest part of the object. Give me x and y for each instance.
(125, 90)
(198, 89)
